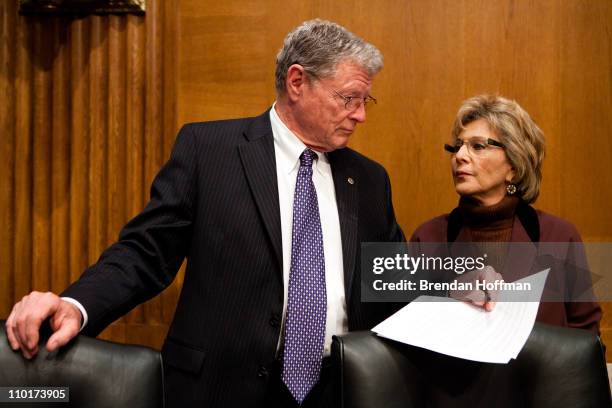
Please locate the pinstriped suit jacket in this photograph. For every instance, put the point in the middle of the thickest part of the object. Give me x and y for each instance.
(216, 202)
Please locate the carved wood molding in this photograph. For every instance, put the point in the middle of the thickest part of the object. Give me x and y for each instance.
(81, 7)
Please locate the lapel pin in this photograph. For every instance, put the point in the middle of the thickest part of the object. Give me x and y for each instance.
(350, 180)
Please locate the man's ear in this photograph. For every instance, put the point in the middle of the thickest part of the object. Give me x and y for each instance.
(296, 81)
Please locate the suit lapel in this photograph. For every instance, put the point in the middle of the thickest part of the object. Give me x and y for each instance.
(347, 199)
(259, 162)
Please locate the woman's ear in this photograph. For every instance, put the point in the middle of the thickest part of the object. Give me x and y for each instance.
(511, 174)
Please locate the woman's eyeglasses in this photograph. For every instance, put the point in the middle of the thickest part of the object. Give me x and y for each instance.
(476, 146)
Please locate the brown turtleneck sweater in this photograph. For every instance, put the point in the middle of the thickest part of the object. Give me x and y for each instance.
(491, 226)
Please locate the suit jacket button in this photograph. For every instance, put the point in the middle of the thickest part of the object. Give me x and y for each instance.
(262, 371)
(274, 321)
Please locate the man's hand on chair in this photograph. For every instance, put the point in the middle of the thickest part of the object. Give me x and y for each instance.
(23, 324)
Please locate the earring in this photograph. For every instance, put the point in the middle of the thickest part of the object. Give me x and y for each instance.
(511, 189)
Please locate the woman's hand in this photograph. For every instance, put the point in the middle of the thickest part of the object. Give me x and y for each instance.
(481, 298)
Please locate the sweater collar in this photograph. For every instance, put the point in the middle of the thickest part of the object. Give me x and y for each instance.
(526, 215)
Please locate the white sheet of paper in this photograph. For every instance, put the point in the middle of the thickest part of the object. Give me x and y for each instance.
(461, 330)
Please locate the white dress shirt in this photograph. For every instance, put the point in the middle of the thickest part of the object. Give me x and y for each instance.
(287, 149)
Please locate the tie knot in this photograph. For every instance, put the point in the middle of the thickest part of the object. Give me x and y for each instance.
(307, 157)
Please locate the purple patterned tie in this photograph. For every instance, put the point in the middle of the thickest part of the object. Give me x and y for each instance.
(307, 302)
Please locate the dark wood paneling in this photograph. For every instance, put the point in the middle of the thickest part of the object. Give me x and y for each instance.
(79, 145)
(60, 158)
(81, 94)
(98, 133)
(22, 260)
(41, 147)
(7, 152)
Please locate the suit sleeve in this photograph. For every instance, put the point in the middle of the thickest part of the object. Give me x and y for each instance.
(395, 231)
(150, 248)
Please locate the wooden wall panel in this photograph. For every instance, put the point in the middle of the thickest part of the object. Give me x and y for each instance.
(60, 163)
(83, 117)
(552, 56)
(98, 105)
(41, 159)
(586, 126)
(79, 146)
(7, 151)
(585, 154)
(22, 257)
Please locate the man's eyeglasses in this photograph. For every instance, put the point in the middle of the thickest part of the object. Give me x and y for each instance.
(353, 103)
(476, 146)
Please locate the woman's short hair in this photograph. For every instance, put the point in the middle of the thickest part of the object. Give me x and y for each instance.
(318, 46)
(524, 141)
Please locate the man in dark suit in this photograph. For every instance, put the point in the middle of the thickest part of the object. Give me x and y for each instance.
(270, 212)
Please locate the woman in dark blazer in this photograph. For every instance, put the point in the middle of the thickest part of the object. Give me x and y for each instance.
(496, 157)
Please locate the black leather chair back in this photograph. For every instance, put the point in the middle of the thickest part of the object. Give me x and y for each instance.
(99, 373)
(558, 367)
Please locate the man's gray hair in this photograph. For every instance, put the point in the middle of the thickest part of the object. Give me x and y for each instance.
(318, 46)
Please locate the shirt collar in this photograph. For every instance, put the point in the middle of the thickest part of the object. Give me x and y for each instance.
(289, 146)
